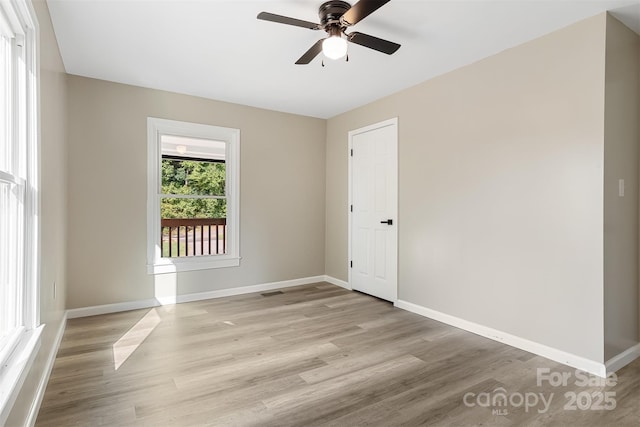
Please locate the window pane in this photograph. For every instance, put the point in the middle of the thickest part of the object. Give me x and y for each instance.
(193, 227)
(9, 297)
(5, 106)
(191, 177)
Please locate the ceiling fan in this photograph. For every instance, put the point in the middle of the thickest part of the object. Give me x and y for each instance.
(335, 17)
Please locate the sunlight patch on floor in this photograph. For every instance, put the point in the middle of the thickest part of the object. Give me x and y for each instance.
(129, 342)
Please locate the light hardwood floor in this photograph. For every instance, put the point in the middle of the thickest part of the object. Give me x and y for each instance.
(303, 356)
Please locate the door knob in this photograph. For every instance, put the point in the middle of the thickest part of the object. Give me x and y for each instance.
(389, 221)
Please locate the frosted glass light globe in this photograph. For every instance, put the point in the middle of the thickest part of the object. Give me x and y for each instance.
(334, 47)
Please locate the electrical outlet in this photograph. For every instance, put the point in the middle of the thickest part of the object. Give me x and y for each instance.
(621, 188)
(55, 289)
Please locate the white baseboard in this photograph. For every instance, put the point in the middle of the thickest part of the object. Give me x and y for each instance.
(623, 359)
(44, 379)
(554, 354)
(239, 291)
(337, 282)
(155, 302)
(111, 308)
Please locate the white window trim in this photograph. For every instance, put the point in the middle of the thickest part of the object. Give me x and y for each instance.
(157, 127)
(17, 358)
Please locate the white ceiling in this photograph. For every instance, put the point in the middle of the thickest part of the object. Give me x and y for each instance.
(218, 49)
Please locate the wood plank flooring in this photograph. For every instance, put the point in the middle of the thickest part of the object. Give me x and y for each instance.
(305, 356)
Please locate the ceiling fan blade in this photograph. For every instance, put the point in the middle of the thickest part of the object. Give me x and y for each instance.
(361, 10)
(381, 45)
(311, 53)
(266, 16)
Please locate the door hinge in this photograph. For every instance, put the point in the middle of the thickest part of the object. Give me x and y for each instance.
(352, 152)
(351, 264)
(351, 208)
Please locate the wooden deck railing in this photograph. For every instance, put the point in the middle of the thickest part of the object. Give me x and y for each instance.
(181, 237)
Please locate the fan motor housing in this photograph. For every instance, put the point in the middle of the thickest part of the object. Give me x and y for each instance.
(331, 11)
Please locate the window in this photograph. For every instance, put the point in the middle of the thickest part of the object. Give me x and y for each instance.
(193, 196)
(19, 332)
(193, 204)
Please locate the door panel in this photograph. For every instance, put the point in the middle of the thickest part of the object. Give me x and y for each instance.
(374, 178)
(361, 251)
(381, 253)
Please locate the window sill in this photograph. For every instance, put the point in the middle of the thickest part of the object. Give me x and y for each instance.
(201, 263)
(16, 369)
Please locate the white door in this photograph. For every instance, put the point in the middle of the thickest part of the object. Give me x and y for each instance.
(374, 210)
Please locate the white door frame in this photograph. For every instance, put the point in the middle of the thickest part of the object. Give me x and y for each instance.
(389, 122)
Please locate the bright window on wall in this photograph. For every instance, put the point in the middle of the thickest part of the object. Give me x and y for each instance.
(19, 335)
(193, 196)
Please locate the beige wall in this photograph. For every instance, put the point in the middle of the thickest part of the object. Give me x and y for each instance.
(282, 192)
(500, 190)
(622, 114)
(53, 206)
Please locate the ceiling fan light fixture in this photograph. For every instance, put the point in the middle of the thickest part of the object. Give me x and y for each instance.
(336, 16)
(334, 47)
